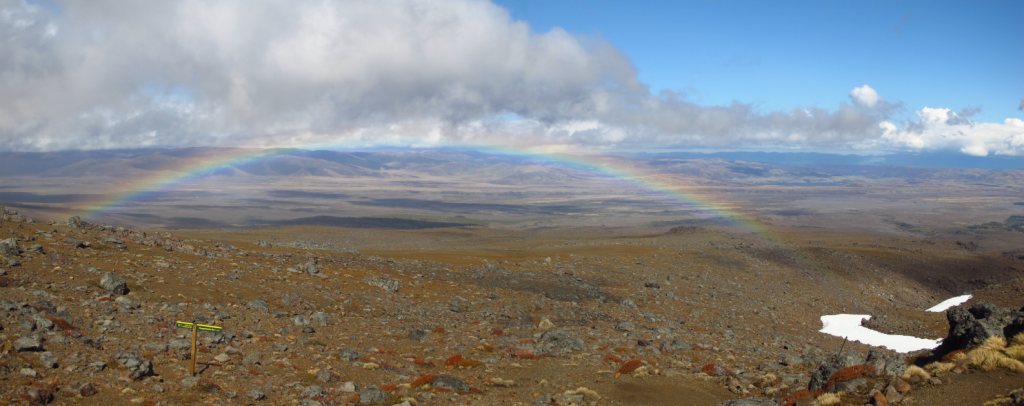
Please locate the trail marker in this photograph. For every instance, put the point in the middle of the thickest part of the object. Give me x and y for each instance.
(195, 333)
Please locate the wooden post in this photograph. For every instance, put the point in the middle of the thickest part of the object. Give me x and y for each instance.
(195, 333)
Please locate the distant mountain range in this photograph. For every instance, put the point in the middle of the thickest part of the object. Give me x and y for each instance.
(490, 167)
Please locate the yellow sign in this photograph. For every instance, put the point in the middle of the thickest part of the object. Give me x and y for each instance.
(203, 327)
(195, 327)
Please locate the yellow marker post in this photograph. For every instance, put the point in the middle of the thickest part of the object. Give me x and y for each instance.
(195, 335)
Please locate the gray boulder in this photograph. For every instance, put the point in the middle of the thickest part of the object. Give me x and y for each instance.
(114, 284)
(972, 326)
(138, 367)
(76, 222)
(372, 396)
(311, 267)
(27, 344)
(258, 304)
(9, 248)
(450, 383)
(389, 285)
(558, 342)
(829, 367)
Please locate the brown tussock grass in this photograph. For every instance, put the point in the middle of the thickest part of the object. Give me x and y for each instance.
(914, 374)
(828, 399)
(939, 368)
(993, 354)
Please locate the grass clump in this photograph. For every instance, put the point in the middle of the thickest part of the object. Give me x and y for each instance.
(915, 374)
(994, 353)
(828, 399)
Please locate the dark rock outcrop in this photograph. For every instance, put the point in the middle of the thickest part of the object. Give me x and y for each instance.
(969, 327)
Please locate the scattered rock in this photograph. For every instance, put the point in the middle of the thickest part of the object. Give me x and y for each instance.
(349, 354)
(114, 284)
(189, 382)
(458, 304)
(86, 389)
(625, 326)
(256, 394)
(324, 375)
(48, 360)
(138, 367)
(827, 368)
(450, 383)
(389, 285)
(253, 358)
(372, 396)
(76, 222)
(417, 334)
(258, 304)
(39, 395)
(28, 344)
(311, 267)
(320, 318)
(558, 342)
(9, 248)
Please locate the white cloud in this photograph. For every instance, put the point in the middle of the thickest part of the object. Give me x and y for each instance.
(112, 74)
(943, 129)
(864, 95)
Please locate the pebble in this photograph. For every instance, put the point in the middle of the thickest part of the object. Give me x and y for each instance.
(28, 344)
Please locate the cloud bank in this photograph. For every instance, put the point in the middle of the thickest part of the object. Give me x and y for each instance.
(113, 74)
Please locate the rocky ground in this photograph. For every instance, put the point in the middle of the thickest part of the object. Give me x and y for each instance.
(87, 315)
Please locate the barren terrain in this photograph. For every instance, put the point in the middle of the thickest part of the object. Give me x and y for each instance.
(491, 283)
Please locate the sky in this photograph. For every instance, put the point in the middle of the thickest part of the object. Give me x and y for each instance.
(566, 76)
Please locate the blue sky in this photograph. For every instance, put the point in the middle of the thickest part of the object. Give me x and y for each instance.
(781, 55)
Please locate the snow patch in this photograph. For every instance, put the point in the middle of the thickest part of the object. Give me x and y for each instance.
(848, 326)
(946, 304)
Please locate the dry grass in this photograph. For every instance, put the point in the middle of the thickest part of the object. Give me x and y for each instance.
(939, 368)
(1016, 348)
(1017, 339)
(914, 374)
(993, 354)
(828, 399)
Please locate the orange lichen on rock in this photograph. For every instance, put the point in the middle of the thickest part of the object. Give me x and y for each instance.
(612, 358)
(459, 361)
(716, 370)
(422, 380)
(793, 398)
(850, 373)
(629, 366)
(522, 353)
(423, 362)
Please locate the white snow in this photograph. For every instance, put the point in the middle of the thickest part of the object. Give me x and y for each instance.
(848, 325)
(946, 304)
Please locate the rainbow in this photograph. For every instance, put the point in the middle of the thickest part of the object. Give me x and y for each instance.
(211, 161)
